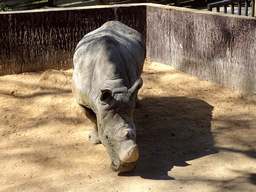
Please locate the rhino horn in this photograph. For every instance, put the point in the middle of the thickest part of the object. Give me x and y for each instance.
(131, 155)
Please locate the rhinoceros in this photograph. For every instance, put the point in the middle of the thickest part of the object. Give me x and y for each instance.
(108, 63)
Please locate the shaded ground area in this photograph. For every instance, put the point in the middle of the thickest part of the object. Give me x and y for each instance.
(192, 136)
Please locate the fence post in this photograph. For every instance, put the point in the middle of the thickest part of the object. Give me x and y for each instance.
(246, 8)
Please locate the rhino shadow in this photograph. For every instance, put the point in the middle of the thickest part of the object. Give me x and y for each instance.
(171, 131)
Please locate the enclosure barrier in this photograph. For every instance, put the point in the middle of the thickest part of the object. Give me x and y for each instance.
(216, 47)
(15, 5)
(226, 3)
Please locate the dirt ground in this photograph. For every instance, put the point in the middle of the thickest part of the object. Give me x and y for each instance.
(192, 136)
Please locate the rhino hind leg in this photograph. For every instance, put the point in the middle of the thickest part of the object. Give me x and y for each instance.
(93, 136)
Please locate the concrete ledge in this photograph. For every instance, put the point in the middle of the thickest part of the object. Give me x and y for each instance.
(212, 46)
(39, 40)
(216, 47)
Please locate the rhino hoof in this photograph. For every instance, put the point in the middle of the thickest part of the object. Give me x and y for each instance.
(94, 139)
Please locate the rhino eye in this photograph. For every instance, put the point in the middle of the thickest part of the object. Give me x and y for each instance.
(106, 95)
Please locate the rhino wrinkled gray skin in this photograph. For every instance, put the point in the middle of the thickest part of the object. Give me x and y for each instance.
(107, 66)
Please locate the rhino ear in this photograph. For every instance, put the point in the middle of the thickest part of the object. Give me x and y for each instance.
(106, 95)
(137, 85)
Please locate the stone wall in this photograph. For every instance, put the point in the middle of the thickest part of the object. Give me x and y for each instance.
(39, 40)
(216, 47)
(212, 46)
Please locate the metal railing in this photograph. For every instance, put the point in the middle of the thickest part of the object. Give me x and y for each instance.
(233, 3)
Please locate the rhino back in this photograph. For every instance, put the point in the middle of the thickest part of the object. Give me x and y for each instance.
(111, 56)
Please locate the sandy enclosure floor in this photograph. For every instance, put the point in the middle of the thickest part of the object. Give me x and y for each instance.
(192, 136)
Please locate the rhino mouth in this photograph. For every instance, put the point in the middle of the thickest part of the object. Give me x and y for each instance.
(123, 167)
(126, 161)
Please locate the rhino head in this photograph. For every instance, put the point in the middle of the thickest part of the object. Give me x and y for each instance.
(116, 129)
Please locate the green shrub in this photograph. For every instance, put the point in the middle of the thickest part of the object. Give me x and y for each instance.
(3, 7)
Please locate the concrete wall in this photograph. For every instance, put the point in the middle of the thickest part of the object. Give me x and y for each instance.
(39, 40)
(215, 47)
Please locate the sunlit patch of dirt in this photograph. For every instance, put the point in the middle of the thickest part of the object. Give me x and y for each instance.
(192, 136)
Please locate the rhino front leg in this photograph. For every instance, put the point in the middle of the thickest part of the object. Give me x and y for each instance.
(93, 136)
